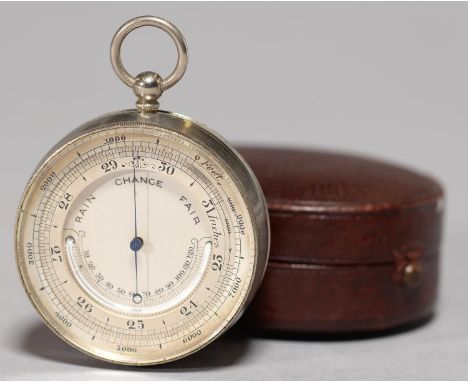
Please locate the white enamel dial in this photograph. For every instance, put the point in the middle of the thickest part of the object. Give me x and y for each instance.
(136, 244)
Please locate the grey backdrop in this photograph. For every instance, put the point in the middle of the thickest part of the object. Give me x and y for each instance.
(388, 80)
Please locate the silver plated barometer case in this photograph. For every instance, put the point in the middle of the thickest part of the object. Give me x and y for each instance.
(142, 236)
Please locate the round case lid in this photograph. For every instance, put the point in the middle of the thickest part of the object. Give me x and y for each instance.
(318, 181)
(338, 208)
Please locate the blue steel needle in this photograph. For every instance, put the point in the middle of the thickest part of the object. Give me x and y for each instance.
(137, 242)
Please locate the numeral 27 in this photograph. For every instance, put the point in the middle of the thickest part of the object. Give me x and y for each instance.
(55, 253)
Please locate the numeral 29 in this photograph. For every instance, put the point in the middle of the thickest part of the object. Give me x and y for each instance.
(109, 166)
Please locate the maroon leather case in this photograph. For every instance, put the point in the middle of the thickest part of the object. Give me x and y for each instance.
(354, 243)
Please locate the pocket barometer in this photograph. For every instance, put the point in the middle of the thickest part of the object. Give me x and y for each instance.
(142, 235)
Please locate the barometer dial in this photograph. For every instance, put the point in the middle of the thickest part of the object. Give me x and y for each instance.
(139, 243)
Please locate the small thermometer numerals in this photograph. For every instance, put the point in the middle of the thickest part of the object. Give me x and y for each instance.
(136, 244)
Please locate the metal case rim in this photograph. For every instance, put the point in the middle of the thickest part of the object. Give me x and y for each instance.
(239, 170)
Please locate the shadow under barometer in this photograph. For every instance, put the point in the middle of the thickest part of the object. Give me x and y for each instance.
(38, 340)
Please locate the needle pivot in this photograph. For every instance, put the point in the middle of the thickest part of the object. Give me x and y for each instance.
(136, 244)
(137, 298)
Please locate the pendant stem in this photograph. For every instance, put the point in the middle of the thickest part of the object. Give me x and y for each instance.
(148, 88)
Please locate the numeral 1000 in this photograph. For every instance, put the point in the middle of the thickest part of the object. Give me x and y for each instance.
(117, 138)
